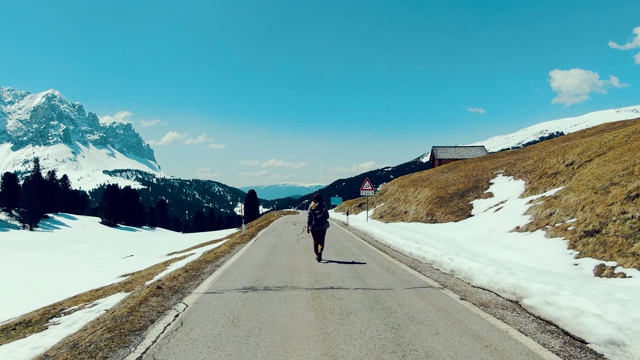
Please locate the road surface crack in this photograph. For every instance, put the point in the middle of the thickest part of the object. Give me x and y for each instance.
(260, 289)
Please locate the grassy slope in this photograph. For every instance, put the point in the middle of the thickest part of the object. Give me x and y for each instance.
(599, 169)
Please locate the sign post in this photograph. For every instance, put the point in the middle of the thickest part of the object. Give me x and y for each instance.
(244, 228)
(367, 190)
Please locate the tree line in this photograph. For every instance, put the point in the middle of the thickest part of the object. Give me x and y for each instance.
(29, 202)
(123, 206)
(39, 195)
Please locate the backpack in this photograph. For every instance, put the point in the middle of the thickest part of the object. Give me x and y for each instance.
(320, 216)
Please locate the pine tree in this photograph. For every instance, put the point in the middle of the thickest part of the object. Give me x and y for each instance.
(131, 207)
(211, 220)
(251, 206)
(80, 202)
(72, 201)
(162, 214)
(176, 224)
(199, 222)
(151, 217)
(52, 193)
(30, 205)
(110, 205)
(9, 191)
(67, 200)
(29, 213)
(185, 223)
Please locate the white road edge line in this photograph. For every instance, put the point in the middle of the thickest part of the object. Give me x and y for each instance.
(160, 327)
(534, 346)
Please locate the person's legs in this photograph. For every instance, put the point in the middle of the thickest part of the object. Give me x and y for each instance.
(318, 242)
(321, 236)
(315, 242)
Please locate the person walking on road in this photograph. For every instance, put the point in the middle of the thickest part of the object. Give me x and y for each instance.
(318, 223)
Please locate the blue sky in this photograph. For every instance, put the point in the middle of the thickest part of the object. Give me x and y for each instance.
(263, 92)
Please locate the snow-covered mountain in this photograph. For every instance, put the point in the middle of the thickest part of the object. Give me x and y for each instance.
(563, 126)
(67, 138)
(554, 128)
(279, 191)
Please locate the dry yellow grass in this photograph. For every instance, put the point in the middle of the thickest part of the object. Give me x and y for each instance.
(113, 334)
(598, 168)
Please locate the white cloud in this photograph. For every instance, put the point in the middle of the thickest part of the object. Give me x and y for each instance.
(206, 174)
(199, 140)
(252, 163)
(125, 118)
(171, 138)
(576, 85)
(280, 163)
(357, 168)
(476, 110)
(254, 174)
(634, 43)
(150, 123)
(274, 163)
(120, 117)
(216, 146)
(615, 82)
(174, 137)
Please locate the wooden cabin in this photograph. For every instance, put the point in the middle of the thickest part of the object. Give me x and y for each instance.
(441, 155)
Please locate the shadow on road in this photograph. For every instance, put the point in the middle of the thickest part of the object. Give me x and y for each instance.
(343, 262)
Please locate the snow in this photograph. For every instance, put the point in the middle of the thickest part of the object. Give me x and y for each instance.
(59, 328)
(84, 165)
(567, 126)
(540, 273)
(71, 254)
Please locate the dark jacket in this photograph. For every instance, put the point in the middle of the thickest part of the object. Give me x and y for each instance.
(318, 217)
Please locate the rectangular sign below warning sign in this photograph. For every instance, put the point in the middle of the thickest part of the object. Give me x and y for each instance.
(367, 188)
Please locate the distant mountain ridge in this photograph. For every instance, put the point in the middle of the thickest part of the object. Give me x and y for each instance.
(279, 191)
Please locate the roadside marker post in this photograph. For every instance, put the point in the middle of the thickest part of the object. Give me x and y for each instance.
(367, 190)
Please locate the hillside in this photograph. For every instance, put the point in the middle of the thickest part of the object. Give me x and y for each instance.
(183, 195)
(597, 168)
(349, 188)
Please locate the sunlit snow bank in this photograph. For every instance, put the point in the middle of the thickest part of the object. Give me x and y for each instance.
(58, 328)
(71, 254)
(540, 273)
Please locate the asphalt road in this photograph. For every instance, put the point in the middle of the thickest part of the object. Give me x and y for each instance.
(274, 301)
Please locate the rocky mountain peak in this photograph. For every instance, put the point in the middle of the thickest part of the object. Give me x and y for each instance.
(48, 118)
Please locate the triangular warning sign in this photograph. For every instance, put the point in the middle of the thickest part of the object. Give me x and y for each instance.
(367, 186)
